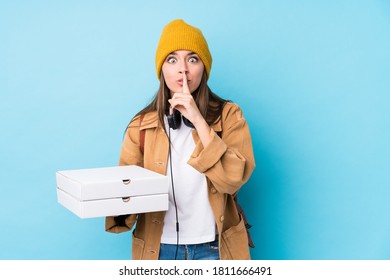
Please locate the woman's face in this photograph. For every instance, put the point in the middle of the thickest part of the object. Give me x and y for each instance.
(179, 62)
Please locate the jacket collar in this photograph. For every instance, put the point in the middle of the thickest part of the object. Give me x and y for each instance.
(150, 120)
(217, 126)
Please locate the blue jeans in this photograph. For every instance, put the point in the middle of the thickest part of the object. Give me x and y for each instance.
(204, 251)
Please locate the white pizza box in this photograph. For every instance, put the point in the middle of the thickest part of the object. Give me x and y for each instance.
(112, 191)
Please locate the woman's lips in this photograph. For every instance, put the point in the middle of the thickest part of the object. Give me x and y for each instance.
(180, 82)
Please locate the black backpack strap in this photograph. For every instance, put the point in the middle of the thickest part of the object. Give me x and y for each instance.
(247, 225)
(141, 134)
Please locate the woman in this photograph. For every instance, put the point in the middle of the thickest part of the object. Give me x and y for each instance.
(208, 158)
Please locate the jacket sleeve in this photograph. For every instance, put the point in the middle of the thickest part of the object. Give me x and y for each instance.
(228, 161)
(130, 155)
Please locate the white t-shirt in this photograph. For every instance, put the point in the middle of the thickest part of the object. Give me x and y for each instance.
(195, 216)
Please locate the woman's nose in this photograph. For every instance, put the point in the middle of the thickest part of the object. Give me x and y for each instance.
(183, 68)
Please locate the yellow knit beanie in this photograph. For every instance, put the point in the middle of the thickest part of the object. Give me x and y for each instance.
(178, 35)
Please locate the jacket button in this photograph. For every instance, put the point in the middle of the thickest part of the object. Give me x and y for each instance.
(213, 190)
(222, 218)
(156, 222)
(152, 251)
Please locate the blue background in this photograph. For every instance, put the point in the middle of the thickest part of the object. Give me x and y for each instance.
(312, 77)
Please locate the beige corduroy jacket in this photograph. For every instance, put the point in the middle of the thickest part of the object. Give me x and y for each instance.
(227, 163)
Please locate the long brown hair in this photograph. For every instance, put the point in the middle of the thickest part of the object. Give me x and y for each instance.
(210, 105)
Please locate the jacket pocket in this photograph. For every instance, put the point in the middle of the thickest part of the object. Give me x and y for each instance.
(234, 243)
(137, 248)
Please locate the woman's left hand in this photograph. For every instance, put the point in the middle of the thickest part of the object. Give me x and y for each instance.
(185, 104)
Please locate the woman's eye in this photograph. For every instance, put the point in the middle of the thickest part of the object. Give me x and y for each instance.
(193, 59)
(171, 60)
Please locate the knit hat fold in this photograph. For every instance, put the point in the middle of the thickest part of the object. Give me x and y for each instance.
(178, 35)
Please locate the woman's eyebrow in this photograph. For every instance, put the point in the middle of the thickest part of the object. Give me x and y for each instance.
(190, 53)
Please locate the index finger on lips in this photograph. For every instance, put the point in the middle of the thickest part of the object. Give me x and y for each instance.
(186, 89)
